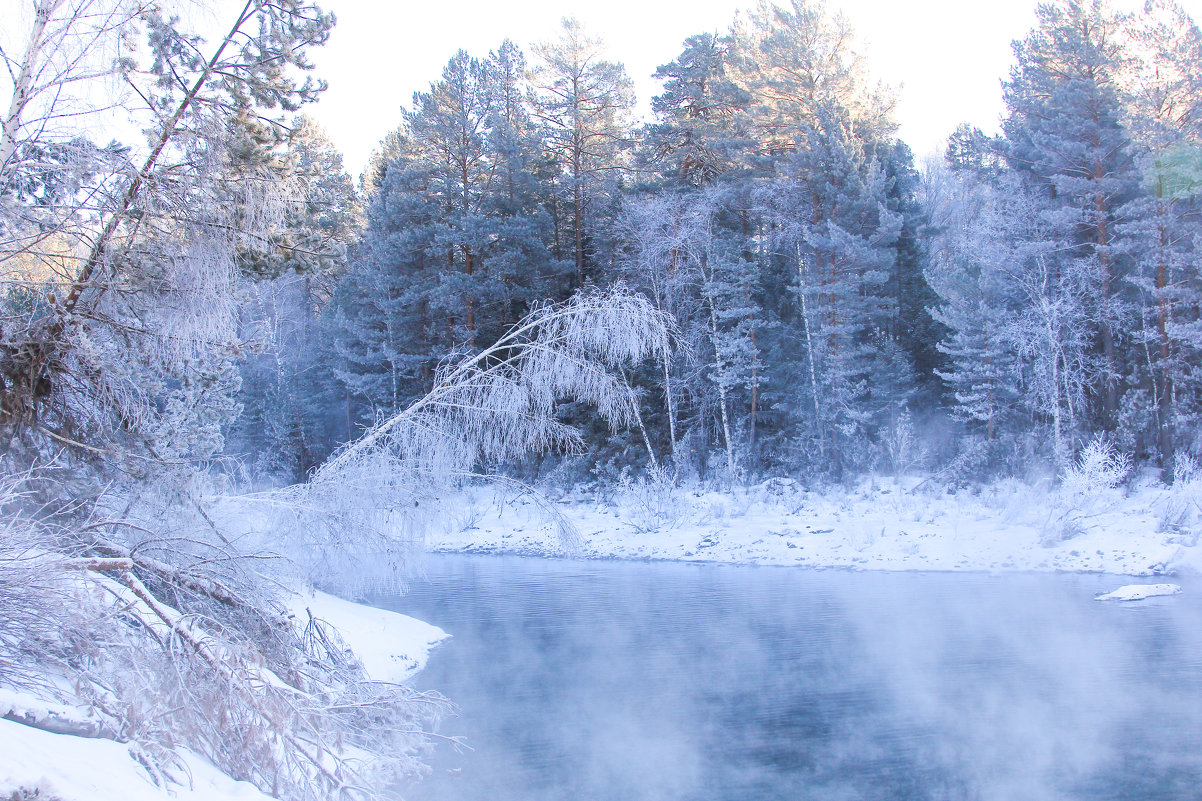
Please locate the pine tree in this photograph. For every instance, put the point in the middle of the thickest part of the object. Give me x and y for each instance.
(798, 63)
(914, 330)
(584, 103)
(975, 304)
(702, 133)
(1066, 138)
(1159, 234)
(837, 236)
(458, 243)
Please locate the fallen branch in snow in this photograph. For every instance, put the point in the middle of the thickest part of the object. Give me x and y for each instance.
(56, 719)
(98, 564)
(315, 753)
(173, 575)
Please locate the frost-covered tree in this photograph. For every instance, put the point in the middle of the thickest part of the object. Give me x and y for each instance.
(1160, 229)
(159, 639)
(584, 102)
(121, 265)
(836, 234)
(1065, 136)
(798, 62)
(983, 370)
(377, 495)
(289, 397)
(682, 249)
(458, 242)
(121, 270)
(703, 131)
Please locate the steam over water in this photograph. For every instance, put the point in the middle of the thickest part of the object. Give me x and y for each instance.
(615, 681)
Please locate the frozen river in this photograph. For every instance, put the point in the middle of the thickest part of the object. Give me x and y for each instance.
(620, 681)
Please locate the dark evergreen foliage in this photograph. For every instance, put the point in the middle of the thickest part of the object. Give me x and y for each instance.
(1038, 285)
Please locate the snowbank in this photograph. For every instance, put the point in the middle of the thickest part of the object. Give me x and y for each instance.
(391, 646)
(883, 525)
(59, 767)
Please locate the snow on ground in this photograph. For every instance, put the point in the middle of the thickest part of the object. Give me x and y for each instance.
(391, 646)
(1138, 592)
(59, 767)
(877, 525)
(62, 767)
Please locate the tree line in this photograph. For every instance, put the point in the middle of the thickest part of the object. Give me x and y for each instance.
(226, 289)
(1031, 291)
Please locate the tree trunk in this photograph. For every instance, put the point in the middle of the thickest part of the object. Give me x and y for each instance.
(670, 407)
(805, 324)
(1110, 397)
(578, 211)
(24, 81)
(1164, 400)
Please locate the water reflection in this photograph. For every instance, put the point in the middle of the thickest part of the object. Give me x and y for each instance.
(612, 680)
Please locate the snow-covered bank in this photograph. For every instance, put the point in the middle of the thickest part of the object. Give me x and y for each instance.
(35, 763)
(391, 646)
(1140, 592)
(881, 525)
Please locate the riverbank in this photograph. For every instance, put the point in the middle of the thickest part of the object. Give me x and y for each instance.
(1141, 530)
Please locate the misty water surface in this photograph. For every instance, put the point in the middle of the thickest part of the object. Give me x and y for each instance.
(618, 680)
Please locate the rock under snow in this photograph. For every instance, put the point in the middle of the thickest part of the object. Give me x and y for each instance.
(1138, 592)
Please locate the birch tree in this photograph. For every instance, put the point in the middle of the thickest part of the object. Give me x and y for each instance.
(120, 264)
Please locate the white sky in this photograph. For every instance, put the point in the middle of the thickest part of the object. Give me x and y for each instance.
(947, 57)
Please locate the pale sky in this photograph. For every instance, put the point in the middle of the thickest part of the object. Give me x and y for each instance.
(946, 56)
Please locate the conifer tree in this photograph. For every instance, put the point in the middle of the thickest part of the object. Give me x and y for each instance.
(836, 233)
(458, 242)
(1159, 233)
(1066, 138)
(584, 103)
(798, 62)
(703, 132)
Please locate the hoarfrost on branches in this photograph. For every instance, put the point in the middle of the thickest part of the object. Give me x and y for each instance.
(380, 493)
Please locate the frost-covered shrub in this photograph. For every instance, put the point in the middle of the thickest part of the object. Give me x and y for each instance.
(903, 450)
(1098, 467)
(33, 611)
(650, 501)
(1085, 490)
(1179, 512)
